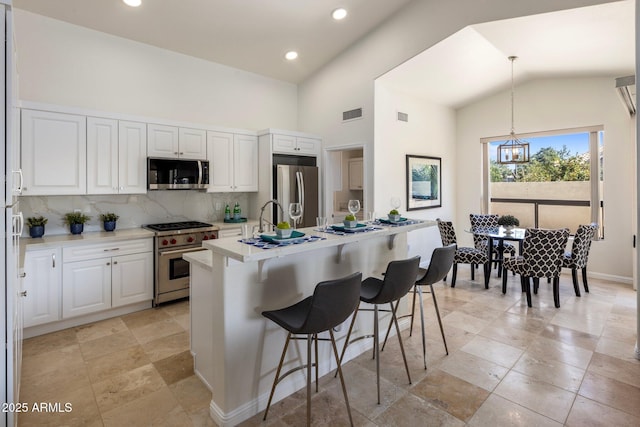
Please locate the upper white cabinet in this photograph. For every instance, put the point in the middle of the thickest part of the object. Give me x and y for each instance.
(233, 162)
(172, 142)
(297, 145)
(54, 153)
(116, 157)
(42, 284)
(355, 174)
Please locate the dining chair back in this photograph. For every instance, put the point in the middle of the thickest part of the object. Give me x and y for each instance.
(579, 255)
(479, 222)
(463, 255)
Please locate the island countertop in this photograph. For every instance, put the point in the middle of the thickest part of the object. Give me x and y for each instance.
(234, 249)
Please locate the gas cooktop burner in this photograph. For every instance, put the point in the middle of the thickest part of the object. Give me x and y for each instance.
(172, 226)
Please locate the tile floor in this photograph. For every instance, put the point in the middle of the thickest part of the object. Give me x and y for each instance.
(507, 365)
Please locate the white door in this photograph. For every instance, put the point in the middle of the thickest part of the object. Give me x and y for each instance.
(42, 284)
(132, 157)
(193, 144)
(86, 287)
(162, 141)
(102, 156)
(131, 278)
(245, 163)
(220, 154)
(54, 153)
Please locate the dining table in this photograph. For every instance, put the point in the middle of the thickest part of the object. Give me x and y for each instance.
(496, 236)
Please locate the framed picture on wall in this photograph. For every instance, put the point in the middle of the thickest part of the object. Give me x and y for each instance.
(424, 182)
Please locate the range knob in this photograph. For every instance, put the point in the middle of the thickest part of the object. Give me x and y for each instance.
(174, 241)
(165, 242)
(205, 238)
(190, 239)
(213, 236)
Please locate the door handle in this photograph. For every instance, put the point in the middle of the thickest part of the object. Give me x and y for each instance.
(53, 260)
(23, 293)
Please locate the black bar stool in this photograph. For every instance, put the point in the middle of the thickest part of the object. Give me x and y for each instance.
(332, 303)
(398, 280)
(441, 262)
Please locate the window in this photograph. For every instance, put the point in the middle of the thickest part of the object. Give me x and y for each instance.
(555, 189)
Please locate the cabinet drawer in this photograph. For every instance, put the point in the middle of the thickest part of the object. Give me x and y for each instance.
(99, 250)
(229, 232)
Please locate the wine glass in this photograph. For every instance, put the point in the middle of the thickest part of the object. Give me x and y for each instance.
(354, 207)
(295, 212)
(395, 202)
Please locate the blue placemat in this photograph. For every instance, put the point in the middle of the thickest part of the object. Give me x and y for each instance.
(259, 242)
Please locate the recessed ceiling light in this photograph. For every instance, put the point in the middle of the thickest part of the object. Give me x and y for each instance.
(291, 55)
(339, 14)
(132, 3)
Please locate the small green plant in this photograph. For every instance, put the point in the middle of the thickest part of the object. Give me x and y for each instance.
(35, 221)
(394, 212)
(350, 217)
(75, 218)
(508, 221)
(108, 217)
(284, 225)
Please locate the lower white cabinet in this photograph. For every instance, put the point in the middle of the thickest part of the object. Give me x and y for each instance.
(42, 284)
(101, 276)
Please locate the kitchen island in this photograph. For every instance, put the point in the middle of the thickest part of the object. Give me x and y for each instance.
(236, 350)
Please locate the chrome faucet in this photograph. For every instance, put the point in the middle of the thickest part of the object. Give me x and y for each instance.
(275, 202)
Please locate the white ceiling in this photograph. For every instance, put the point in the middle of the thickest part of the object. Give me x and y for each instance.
(253, 35)
(596, 41)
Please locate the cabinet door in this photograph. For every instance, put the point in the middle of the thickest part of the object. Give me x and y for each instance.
(193, 144)
(308, 146)
(54, 153)
(102, 156)
(131, 279)
(245, 163)
(86, 287)
(42, 285)
(220, 154)
(162, 141)
(284, 144)
(132, 158)
(355, 174)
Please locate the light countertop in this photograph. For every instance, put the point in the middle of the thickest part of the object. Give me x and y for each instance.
(234, 249)
(84, 238)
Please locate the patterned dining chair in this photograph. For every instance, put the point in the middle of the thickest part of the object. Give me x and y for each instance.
(464, 255)
(579, 255)
(542, 252)
(488, 221)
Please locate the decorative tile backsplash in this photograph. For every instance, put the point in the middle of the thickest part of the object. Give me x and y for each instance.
(134, 209)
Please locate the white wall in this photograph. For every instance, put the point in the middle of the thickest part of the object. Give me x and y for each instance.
(430, 131)
(558, 104)
(64, 64)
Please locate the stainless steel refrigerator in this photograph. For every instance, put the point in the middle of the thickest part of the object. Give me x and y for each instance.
(297, 183)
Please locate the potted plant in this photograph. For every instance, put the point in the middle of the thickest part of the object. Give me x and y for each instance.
(283, 230)
(350, 221)
(76, 221)
(109, 221)
(508, 222)
(394, 215)
(36, 226)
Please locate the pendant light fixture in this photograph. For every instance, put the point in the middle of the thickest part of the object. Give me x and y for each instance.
(513, 151)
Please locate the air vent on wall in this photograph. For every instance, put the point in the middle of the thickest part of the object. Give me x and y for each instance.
(352, 115)
(403, 117)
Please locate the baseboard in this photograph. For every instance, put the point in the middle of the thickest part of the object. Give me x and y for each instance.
(611, 277)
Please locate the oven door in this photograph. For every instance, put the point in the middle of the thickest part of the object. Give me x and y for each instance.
(173, 271)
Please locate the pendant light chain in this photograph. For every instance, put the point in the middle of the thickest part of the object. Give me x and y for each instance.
(513, 130)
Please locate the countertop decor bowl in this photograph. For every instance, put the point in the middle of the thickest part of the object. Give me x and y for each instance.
(283, 233)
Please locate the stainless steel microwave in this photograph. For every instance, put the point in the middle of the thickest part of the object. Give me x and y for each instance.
(177, 174)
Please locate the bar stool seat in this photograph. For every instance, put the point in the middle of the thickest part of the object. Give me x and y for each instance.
(398, 280)
(332, 303)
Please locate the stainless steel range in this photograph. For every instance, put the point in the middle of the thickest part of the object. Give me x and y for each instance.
(172, 240)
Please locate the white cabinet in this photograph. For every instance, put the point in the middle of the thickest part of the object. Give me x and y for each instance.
(355, 174)
(100, 276)
(42, 284)
(54, 153)
(289, 144)
(173, 143)
(233, 162)
(116, 157)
